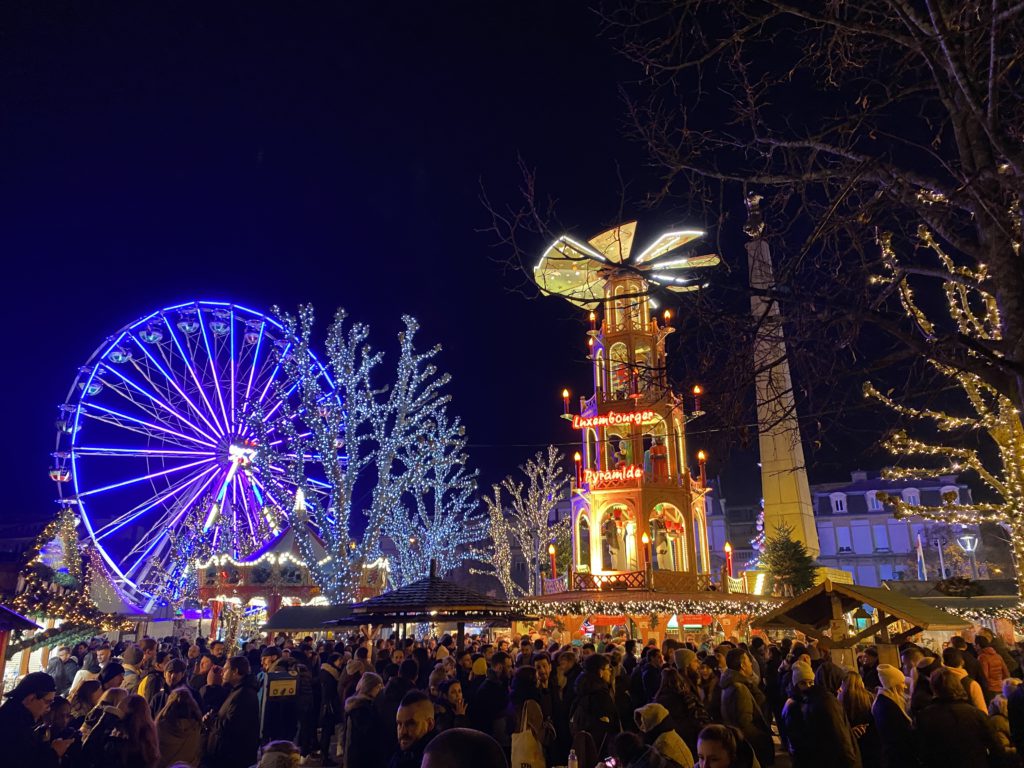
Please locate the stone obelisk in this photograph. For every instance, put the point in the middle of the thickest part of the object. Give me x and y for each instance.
(787, 496)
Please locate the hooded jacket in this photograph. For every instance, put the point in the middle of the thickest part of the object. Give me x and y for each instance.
(181, 741)
(970, 686)
(993, 669)
(363, 738)
(895, 733)
(740, 709)
(594, 710)
(659, 731)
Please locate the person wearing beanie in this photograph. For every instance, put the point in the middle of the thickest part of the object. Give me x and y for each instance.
(441, 653)
(112, 676)
(26, 703)
(685, 659)
(131, 660)
(892, 721)
(659, 731)
(815, 725)
(364, 737)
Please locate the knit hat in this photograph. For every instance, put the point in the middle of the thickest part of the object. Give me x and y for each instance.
(480, 667)
(270, 650)
(649, 716)
(33, 684)
(109, 672)
(132, 655)
(368, 682)
(802, 671)
(683, 657)
(890, 676)
(442, 652)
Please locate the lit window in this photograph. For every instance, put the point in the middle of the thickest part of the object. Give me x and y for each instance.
(838, 503)
(874, 503)
(912, 496)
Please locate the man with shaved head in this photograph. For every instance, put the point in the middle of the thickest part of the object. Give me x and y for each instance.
(463, 748)
(415, 727)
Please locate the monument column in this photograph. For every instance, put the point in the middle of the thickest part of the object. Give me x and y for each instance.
(787, 495)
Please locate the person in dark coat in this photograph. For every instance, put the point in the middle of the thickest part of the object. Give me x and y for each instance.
(710, 693)
(817, 730)
(388, 701)
(594, 709)
(678, 695)
(330, 703)
(26, 704)
(234, 730)
(62, 668)
(363, 740)
(279, 704)
(415, 727)
(951, 730)
(490, 702)
(869, 669)
(892, 720)
(921, 695)
(743, 705)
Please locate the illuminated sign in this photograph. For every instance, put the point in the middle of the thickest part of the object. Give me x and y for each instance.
(598, 477)
(613, 419)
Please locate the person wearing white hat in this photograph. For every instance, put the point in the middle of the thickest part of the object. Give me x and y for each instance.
(892, 721)
(816, 726)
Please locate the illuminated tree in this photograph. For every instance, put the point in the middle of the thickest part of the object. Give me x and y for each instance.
(985, 415)
(788, 562)
(498, 555)
(360, 433)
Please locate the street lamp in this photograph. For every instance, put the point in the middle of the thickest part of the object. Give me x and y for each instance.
(728, 558)
(969, 543)
(551, 553)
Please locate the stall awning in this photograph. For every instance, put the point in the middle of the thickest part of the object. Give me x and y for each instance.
(293, 618)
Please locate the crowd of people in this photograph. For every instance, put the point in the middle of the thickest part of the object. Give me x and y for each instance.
(393, 703)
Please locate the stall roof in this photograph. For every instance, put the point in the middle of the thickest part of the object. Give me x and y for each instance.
(811, 612)
(312, 617)
(13, 620)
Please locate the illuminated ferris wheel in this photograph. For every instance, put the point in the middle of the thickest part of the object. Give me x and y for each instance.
(154, 446)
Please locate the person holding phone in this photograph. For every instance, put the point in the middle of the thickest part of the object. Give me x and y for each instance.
(25, 706)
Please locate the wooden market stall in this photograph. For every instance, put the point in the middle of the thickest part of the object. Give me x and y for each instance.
(821, 613)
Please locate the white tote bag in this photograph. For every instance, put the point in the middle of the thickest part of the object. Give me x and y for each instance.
(527, 751)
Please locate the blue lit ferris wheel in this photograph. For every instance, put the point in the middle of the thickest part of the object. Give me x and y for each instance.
(154, 446)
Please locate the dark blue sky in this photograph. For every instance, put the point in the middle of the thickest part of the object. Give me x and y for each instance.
(333, 153)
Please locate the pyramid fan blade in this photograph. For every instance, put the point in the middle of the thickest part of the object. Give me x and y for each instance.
(667, 243)
(616, 243)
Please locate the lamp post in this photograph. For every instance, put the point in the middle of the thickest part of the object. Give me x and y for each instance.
(940, 542)
(969, 543)
(728, 558)
(551, 554)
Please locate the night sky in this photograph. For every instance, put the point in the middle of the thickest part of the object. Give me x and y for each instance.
(156, 153)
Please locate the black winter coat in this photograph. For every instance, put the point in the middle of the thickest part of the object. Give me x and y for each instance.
(594, 710)
(818, 733)
(687, 713)
(21, 745)
(488, 706)
(234, 732)
(895, 734)
(954, 732)
(364, 734)
(386, 705)
(741, 708)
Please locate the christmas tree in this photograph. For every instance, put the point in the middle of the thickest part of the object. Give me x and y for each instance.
(788, 562)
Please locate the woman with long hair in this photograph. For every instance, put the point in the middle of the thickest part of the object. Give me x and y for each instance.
(179, 730)
(134, 744)
(84, 701)
(856, 703)
(681, 700)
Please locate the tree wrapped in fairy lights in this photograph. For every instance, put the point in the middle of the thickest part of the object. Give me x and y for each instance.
(435, 517)
(986, 413)
(526, 523)
(395, 438)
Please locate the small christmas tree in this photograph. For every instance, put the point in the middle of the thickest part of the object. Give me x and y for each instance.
(788, 562)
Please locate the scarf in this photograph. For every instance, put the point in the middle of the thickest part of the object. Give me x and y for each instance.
(897, 699)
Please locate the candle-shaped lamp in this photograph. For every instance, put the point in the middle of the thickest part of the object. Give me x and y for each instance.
(728, 558)
(551, 554)
(565, 401)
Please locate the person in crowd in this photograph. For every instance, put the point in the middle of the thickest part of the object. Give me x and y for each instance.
(131, 662)
(629, 751)
(84, 699)
(331, 703)
(124, 737)
(91, 667)
(62, 667)
(856, 702)
(743, 705)
(364, 739)
(720, 746)
(279, 754)
(415, 728)
(201, 674)
(953, 660)
(26, 704)
(391, 698)
(179, 729)
(463, 748)
(708, 689)
(525, 708)
(678, 694)
(950, 730)
(106, 713)
(970, 659)
(993, 668)
(279, 704)
(156, 689)
(449, 706)
(921, 694)
(112, 676)
(830, 675)
(489, 703)
(816, 728)
(650, 678)
(995, 641)
(997, 718)
(218, 653)
(660, 731)
(892, 720)
(869, 668)
(594, 708)
(234, 730)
